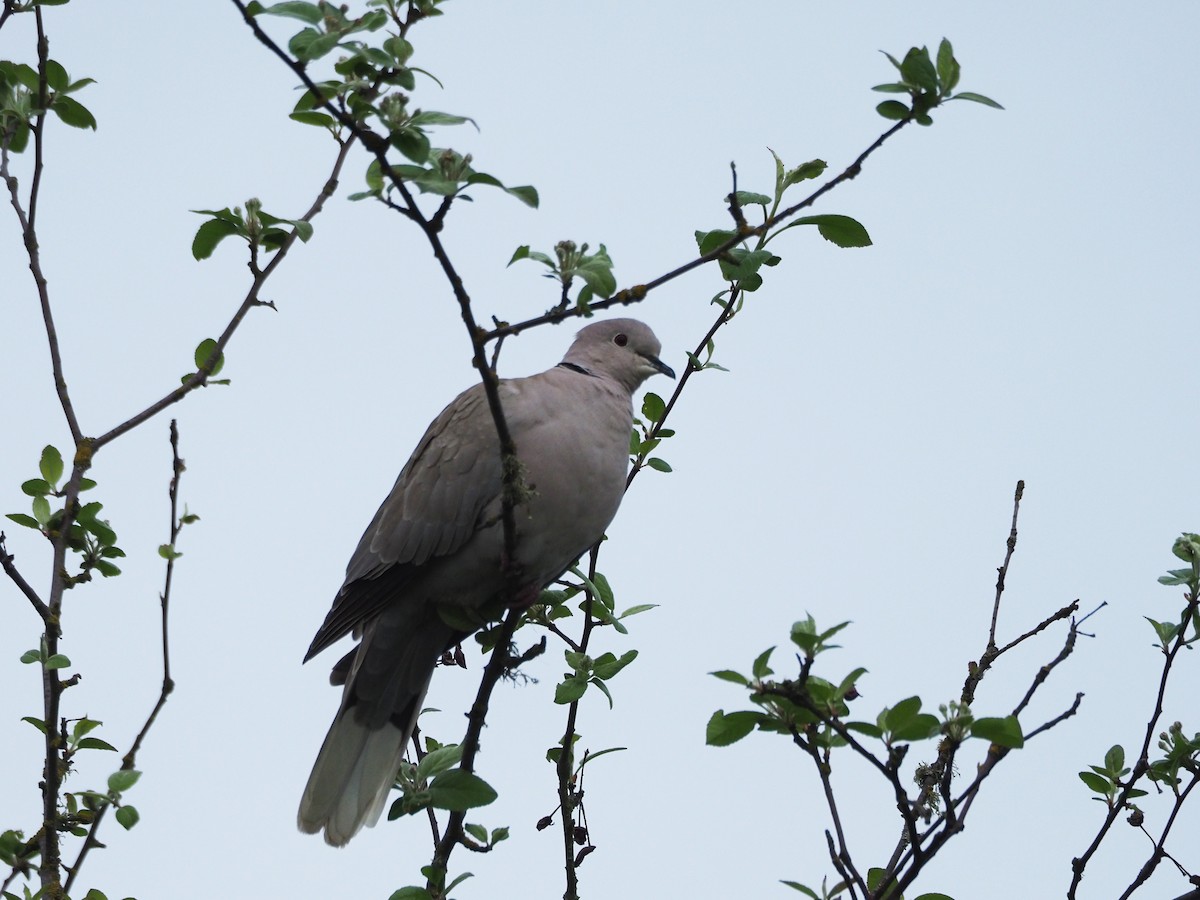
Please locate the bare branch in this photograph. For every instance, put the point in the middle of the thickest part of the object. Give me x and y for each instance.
(6, 562)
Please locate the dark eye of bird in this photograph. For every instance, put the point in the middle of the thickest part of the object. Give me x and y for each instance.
(621, 340)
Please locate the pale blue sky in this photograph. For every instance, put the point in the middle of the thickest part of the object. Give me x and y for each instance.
(1029, 310)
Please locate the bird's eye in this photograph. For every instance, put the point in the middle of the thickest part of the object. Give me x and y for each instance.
(621, 340)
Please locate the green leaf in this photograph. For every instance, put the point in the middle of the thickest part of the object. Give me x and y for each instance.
(948, 69)
(760, 669)
(460, 790)
(412, 143)
(57, 661)
(123, 780)
(92, 894)
(209, 235)
(1005, 732)
(127, 816)
(204, 352)
(570, 689)
(411, 893)
(902, 713)
(50, 465)
(438, 761)
(608, 665)
(95, 743)
(1114, 759)
(918, 728)
(72, 112)
(728, 728)
(730, 675)
(658, 465)
(841, 230)
(636, 609)
(893, 109)
(803, 172)
(312, 117)
(22, 519)
(797, 886)
(918, 69)
(31, 656)
(41, 511)
(107, 569)
(311, 44)
(36, 723)
(708, 241)
(749, 198)
(526, 193)
(37, 487)
(1097, 783)
(166, 551)
(977, 98)
(476, 831)
(306, 12)
(935, 896)
(653, 406)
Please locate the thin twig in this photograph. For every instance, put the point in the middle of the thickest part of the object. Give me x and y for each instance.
(28, 223)
(250, 301)
(1142, 766)
(10, 569)
(638, 292)
(168, 684)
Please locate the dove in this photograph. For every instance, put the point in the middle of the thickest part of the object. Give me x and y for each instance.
(433, 556)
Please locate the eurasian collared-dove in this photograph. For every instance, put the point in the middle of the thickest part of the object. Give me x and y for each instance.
(437, 541)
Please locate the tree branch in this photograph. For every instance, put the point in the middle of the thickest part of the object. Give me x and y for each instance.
(250, 301)
(168, 684)
(6, 562)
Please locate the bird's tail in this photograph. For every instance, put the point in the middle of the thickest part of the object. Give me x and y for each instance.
(358, 761)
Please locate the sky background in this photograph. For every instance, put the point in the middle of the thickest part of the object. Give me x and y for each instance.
(1028, 311)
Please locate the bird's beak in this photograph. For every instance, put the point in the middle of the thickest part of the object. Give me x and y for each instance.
(659, 366)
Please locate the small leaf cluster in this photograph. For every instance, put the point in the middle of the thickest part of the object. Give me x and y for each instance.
(374, 72)
(647, 433)
(571, 261)
(875, 879)
(256, 226)
(89, 535)
(435, 876)
(436, 781)
(588, 671)
(82, 807)
(816, 710)
(447, 173)
(927, 83)
(20, 90)
(1106, 779)
(742, 263)
(553, 604)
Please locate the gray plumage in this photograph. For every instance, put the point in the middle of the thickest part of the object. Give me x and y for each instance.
(437, 541)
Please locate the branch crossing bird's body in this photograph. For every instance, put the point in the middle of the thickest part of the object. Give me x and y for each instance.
(437, 542)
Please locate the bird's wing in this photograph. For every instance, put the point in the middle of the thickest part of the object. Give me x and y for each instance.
(433, 509)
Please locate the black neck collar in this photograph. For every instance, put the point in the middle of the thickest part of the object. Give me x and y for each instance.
(575, 368)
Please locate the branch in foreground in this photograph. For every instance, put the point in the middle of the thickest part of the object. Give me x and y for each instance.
(497, 665)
